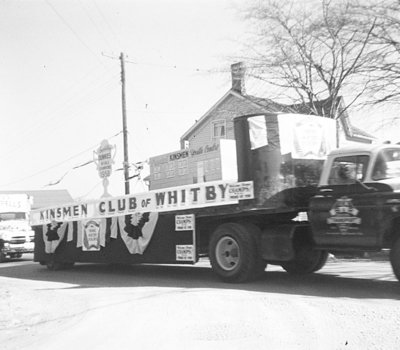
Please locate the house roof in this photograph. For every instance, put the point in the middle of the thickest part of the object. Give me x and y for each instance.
(205, 116)
(361, 133)
(45, 198)
(321, 108)
(268, 106)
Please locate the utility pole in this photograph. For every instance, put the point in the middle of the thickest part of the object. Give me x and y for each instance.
(124, 125)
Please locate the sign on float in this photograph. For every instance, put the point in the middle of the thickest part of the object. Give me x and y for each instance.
(176, 198)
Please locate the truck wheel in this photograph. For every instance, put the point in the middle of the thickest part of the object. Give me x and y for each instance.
(233, 252)
(2, 256)
(54, 265)
(68, 265)
(395, 258)
(307, 261)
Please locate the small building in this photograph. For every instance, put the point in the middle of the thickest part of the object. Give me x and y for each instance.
(209, 162)
(44, 198)
(208, 150)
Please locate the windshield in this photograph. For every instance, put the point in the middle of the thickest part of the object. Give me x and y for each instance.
(348, 169)
(387, 165)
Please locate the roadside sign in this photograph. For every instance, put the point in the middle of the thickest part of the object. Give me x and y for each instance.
(104, 159)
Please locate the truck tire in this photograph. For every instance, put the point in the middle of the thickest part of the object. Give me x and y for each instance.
(2, 256)
(233, 252)
(68, 265)
(307, 261)
(54, 265)
(395, 258)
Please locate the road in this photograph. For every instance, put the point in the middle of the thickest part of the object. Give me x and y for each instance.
(347, 305)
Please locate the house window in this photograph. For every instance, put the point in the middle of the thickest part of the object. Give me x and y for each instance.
(171, 169)
(157, 172)
(186, 144)
(211, 166)
(207, 166)
(219, 129)
(182, 167)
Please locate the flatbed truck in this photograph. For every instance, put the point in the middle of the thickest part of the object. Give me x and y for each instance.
(289, 207)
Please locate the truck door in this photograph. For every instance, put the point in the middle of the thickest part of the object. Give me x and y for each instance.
(347, 212)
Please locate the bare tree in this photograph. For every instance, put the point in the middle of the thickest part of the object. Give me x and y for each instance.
(312, 53)
(384, 75)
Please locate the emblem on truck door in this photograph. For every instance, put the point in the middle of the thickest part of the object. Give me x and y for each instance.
(344, 216)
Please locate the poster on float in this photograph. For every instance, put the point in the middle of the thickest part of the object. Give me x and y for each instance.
(169, 199)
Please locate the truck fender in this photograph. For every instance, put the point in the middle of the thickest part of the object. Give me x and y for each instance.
(277, 241)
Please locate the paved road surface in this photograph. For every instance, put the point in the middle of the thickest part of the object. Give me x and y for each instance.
(347, 305)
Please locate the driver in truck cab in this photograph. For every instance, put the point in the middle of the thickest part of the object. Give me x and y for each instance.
(345, 174)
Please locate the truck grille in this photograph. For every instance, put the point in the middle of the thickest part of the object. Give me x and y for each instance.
(17, 240)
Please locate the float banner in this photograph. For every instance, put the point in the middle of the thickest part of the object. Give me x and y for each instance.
(168, 199)
(306, 136)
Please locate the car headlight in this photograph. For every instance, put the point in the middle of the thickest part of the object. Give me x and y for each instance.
(5, 235)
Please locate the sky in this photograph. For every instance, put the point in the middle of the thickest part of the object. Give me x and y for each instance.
(61, 91)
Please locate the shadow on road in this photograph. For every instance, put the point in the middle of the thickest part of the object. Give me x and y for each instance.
(103, 276)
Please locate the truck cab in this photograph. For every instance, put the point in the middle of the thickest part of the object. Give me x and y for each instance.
(379, 164)
(357, 207)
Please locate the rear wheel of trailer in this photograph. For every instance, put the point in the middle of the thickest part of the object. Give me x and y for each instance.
(233, 252)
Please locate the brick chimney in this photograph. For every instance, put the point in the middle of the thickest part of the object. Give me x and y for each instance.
(238, 71)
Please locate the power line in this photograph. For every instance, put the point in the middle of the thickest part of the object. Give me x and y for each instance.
(178, 67)
(146, 111)
(32, 129)
(95, 25)
(67, 103)
(91, 190)
(107, 23)
(73, 31)
(58, 164)
(53, 183)
(90, 102)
